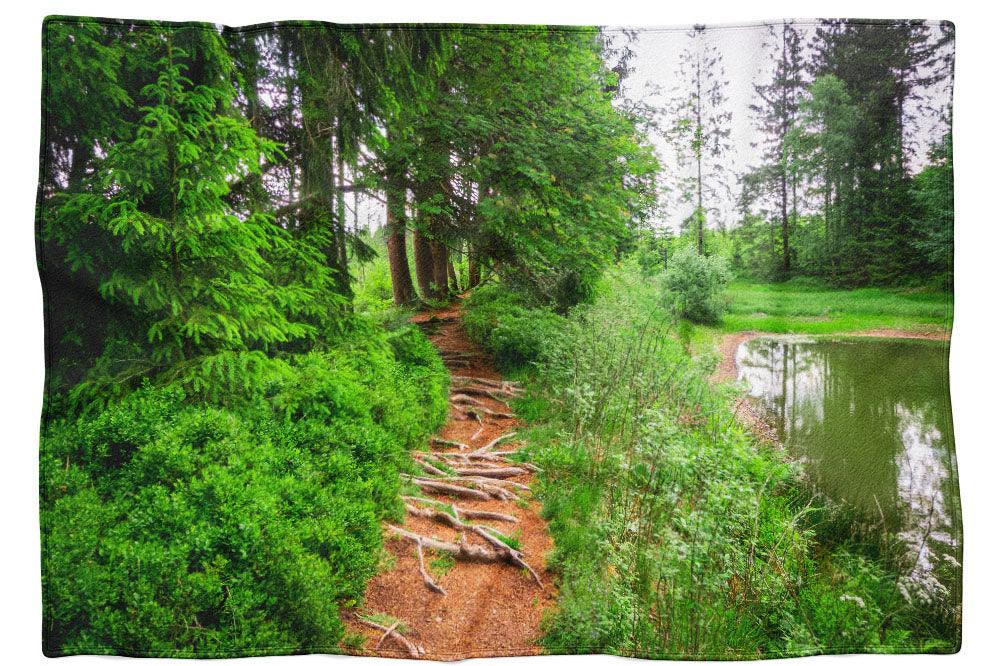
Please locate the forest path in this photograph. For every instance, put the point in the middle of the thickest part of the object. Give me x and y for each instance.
(489, 596)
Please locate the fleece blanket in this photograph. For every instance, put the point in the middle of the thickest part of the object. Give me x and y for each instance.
(449, 341)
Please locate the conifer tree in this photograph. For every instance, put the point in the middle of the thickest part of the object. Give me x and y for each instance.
(700, 130)
(884, 67)
(155, 229)
(776, 108)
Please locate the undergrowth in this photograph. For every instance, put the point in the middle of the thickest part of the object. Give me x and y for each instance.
(676, 534)
(172, 526)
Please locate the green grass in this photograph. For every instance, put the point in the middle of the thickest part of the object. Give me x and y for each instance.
(442, 564)
(797, 307)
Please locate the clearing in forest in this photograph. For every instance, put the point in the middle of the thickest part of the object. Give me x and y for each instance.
(467, 575)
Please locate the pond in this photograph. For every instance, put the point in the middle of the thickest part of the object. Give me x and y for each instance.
(870, 419)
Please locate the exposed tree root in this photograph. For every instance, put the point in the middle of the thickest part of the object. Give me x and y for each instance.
(464, 399)
(461, 446)
(434, 485)
(462, 470)
(516, 556)
(454, 353)
(484, 392)
(415, 651)
(463, 512)
(477, 487)
(470, 553)
(479, 412)
(462, 550)
(489, 445)
(496, 457)
(428, 581)
(484, 481)
(442, 517)
(385, 635)
(482, 427)
(426, 466)
(495, 384)
(489, 472)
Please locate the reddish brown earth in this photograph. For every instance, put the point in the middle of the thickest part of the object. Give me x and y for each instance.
(488, 609)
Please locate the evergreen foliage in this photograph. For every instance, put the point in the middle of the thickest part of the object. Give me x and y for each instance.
(840, 128)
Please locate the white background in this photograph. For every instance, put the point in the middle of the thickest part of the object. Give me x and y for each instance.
(974, 365)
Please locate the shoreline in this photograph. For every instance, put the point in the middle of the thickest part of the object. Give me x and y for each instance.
(726, 371)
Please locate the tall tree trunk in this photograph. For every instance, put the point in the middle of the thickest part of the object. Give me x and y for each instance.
(453, 278)
(319, 187)
(699, 134)
(786, 261)
(474, 268)
(340, 226)
(423, 263)
(440, 254)
(402, 287)
(399, 265)
(341, 212)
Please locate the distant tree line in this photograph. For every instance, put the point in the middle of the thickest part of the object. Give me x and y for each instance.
(836, 196)
(840, 114)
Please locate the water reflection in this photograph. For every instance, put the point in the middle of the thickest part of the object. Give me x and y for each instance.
(871, 420)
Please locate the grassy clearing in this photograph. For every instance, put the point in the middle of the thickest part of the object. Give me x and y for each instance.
(805, 307)
(676, 536)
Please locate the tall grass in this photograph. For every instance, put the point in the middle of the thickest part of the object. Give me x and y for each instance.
(675, 535)
(806, 307)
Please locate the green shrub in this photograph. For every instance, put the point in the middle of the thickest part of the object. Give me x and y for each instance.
(174, 528)
(675, 535)
(513, 328)
(695, 285)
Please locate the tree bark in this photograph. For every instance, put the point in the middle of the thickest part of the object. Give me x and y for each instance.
(474, 269)
(399, 265)
(440, 255)
(786, 261)
(423, 263)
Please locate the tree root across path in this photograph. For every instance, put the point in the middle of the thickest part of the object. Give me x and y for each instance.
(462, 488)
(465, 551)
(415, 651)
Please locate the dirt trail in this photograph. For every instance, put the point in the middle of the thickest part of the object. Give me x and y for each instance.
(491, 601)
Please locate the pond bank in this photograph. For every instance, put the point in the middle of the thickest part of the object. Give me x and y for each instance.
(726, 370)
(868, 417)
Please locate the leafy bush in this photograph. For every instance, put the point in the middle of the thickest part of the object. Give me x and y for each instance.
(508, 324)
(172, 528)
(675, 535)
(695, 285)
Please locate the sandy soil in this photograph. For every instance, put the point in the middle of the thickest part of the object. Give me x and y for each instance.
(489, 609)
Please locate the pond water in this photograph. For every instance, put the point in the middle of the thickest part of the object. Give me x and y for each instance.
(870, 418)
